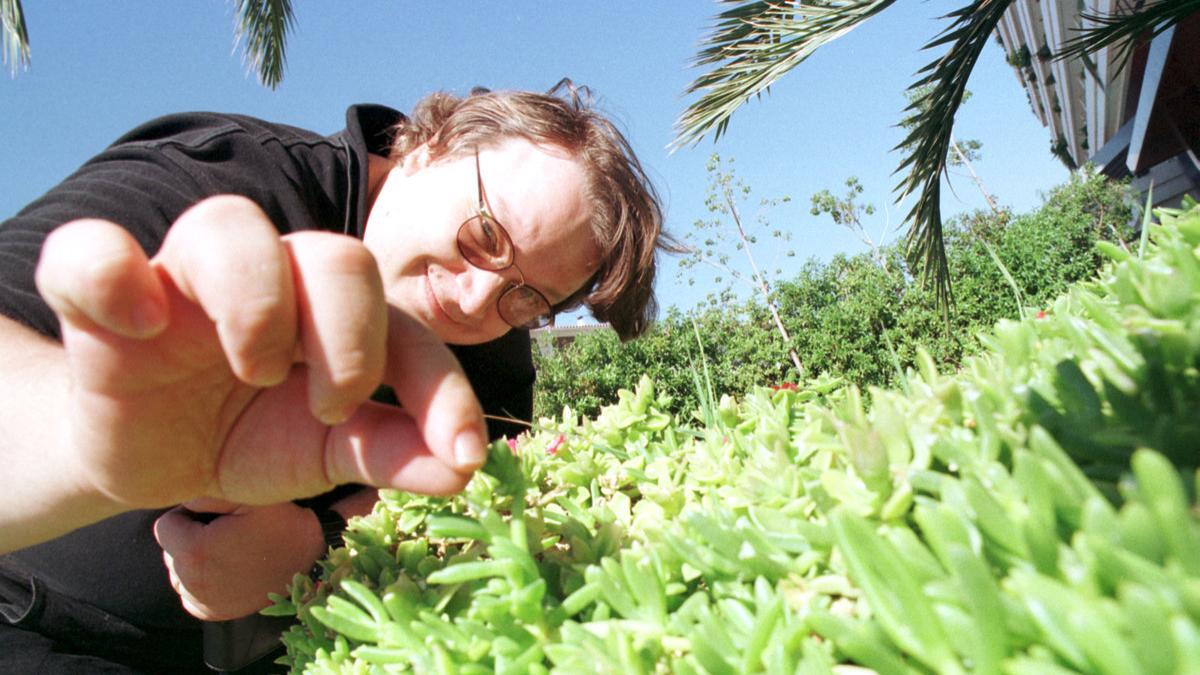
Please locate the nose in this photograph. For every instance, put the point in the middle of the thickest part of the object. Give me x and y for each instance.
(479, 291)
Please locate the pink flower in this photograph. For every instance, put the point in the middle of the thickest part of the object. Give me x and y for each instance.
(555, 445)
(1041, 314)
(512, 444)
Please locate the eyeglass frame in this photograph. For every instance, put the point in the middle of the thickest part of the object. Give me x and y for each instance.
(485, 215)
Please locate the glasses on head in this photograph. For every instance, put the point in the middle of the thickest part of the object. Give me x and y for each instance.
(485, 244)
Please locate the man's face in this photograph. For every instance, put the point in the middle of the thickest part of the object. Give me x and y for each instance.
(535, 192)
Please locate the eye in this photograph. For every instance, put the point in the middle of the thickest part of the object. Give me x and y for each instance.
(484, 243)
(488, 240)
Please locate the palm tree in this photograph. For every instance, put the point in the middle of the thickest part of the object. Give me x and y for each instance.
(16, 39)
(262, 24)
(755, 43)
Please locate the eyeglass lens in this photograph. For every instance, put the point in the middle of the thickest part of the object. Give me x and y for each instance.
(523, 307)
(486, 245)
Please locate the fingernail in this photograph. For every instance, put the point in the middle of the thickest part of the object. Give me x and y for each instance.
(335, 416)
(268, 371)
(148, 317)
(469, 450)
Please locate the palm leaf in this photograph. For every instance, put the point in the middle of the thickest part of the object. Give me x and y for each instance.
(1122, 29)
(753, 44)
(16, 38)
(928, 142)
(264, 25)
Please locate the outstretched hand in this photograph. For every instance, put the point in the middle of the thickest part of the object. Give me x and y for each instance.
(237, 364)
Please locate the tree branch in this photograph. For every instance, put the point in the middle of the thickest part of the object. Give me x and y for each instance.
(264, 25)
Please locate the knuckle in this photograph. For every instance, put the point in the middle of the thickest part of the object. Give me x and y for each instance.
(355, 368)
(106, 268)
(345, 256)
(255, 314)
(79, 241)
(88, 259)
(222, 207)
(325, 252)
(258, 324)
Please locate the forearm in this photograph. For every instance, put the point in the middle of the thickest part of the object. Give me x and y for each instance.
(42, 494)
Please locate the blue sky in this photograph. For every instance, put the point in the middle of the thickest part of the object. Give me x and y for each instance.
(101, 68)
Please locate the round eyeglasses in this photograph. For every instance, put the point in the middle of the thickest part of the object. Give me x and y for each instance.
(484, 243)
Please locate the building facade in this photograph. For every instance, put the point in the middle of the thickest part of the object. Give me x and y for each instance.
(1137, 119)
(555, 337)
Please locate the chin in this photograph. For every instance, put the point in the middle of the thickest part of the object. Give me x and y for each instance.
(467, 338)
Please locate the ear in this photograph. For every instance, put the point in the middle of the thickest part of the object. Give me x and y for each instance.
(419, 158)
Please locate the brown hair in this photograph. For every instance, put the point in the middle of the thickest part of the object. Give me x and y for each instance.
(626, 217)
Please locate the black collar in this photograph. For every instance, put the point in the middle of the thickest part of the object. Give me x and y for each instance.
(369, 130)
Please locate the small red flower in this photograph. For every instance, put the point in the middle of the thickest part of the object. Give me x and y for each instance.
(512, 444)
(786, 386)
(1041, 314)
(555, 445)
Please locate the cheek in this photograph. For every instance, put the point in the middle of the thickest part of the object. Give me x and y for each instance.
(396, 253)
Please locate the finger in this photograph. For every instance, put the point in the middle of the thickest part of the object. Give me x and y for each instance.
(189, 602)
(225, 255)
(177, 533)
(176, 536)
(172, 575)
(198, 609)
(432, 387)
(343, 321)
(382, 446)
(277, 451)
(92, 273)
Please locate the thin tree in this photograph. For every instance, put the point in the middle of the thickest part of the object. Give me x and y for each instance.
(724, 191)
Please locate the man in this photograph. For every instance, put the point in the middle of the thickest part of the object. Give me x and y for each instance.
(228, 294)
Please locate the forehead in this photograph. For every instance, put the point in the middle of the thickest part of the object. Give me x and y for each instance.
(539, 194)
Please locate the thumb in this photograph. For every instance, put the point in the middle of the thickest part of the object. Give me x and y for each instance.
(434, 390)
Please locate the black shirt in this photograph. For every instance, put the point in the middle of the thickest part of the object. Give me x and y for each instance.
(103, 589)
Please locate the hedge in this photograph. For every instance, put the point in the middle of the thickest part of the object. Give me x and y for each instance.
(850, 318)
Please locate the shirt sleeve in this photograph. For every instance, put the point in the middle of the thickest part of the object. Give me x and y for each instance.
(136, 188)
(146, 179)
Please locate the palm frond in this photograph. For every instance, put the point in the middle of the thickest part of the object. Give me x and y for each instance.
(753, 44)
(928, 143)
(1122, 30)
(264, 25)
(16, 37)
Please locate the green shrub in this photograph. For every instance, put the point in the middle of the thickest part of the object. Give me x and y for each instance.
(1033, 513)
(851, 318)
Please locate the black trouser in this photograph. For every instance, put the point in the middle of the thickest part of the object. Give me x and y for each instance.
(42, 631)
